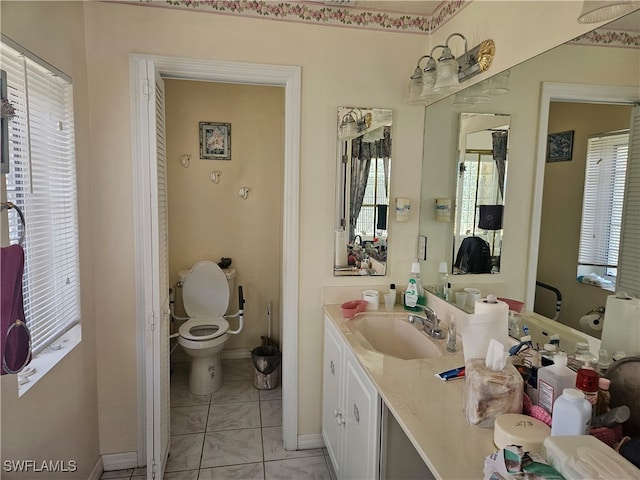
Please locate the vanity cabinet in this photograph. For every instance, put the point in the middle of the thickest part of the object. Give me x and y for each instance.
(351, 411)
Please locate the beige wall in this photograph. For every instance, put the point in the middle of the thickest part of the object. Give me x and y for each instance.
(562, 210)
(208, 221)
(372, 71)
(566, 64)
(57, 418)
(340, 66)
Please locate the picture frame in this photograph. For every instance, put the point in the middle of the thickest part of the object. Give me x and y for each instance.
(215, 141)
(560, 146)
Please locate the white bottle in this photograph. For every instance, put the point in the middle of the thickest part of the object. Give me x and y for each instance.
(552, 380)
(571, 414)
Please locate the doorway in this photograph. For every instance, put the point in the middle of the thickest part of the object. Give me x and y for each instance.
(145, 208)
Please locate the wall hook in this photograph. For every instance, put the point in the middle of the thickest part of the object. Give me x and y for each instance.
(244, 193)
(215, 176)
(185, 160)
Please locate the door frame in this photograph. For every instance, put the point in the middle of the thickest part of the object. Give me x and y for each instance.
(184, 68)
(561, 92)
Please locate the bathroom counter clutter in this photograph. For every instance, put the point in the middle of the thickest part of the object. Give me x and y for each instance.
(429, 410)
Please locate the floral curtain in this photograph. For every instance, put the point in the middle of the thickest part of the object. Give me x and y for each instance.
(500, 156)
(361, 154)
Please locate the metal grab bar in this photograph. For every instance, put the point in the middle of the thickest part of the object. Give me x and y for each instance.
(558, 297)
(9, 206)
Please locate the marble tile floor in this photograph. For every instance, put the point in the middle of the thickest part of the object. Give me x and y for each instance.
(233, 434)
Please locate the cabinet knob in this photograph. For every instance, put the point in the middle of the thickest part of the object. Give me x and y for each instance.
(356, 413)
(340, 419)
(332, 367)
(337, 413)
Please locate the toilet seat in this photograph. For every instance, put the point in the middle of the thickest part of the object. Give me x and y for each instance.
(205, 291)
(201, 329)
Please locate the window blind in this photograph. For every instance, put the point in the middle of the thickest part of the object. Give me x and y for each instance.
(602, 202)
(629, 272)
(42, 183)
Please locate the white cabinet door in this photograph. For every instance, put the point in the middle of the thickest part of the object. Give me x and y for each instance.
(351, 410)
(362, 428)
(332, 415)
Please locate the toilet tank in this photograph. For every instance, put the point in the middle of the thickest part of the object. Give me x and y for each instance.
(230, 273)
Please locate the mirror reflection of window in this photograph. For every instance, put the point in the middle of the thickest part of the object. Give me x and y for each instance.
(364, 178)
(601, 225)
(480, 188)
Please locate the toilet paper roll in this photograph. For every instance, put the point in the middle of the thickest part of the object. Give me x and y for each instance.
(591, 323)
(621, 329)
(341, 248)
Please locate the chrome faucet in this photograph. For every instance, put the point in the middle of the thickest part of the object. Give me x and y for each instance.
(430, 322)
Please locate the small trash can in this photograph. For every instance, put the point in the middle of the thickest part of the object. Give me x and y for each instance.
(266, 359)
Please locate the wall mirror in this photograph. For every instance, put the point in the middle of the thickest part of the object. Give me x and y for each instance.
(527, 238)
(481, 180)
(362, 193)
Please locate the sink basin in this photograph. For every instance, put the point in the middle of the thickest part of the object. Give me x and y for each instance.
(394, 336)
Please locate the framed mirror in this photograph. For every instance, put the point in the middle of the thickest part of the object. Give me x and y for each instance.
(481, 180)
(362, 193)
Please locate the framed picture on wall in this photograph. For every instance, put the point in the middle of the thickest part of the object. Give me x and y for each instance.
(560, 147)
(215, 141)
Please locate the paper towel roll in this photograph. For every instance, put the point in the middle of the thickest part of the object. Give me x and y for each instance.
(341, 248)
(499, 311)
(591, 323)
(621, 329)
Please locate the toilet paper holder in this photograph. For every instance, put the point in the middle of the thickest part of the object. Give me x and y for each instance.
(593, 319)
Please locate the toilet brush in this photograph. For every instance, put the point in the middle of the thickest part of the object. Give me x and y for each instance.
(268, 341)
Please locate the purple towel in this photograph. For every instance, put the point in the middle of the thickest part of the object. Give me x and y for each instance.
(15, 341)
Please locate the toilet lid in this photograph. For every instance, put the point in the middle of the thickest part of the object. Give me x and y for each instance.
(203, 328)
(205, 291)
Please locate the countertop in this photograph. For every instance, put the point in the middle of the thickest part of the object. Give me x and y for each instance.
(428, 409)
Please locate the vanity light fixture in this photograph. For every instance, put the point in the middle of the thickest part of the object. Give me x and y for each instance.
(498, 84)
(444, 76)
(602, 11)
(348, 126)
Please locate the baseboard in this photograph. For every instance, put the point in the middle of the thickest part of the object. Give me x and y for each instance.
(314, 440)
(119, 461)
(235, 354)
(97, 470)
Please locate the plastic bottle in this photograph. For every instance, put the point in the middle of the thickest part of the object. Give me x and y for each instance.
(414, 295)
(443, 280)
(392, 289)
(587, 383)
(552, 380)
(604, 362)
(604, 397)
(571, 414)
(547, 353)
(580, 357)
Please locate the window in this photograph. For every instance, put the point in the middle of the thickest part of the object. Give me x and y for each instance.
(602, 205)
(42, 183)
(372, 220)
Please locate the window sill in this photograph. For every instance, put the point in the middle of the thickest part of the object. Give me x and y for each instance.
(47, 359)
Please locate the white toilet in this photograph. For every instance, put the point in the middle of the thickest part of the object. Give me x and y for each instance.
(205, 294)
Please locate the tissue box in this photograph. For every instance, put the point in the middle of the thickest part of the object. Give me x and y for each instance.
(488, 394)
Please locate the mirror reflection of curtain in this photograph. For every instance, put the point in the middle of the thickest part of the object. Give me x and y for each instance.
(500, 156)
(361, 154)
